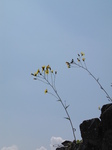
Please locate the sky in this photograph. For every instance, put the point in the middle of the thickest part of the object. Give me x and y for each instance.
(39, 32)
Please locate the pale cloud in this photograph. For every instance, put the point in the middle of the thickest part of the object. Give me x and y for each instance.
(55, 142)
(13, 147)
(41, 148)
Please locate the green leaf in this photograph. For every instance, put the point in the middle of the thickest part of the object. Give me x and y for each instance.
(59, 100)
(67, 118)
(67, 106)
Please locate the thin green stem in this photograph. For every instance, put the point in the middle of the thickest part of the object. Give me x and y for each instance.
(67, 114)
(85, 68)
(54, 80)
(64, 108)
(53, 95)
(51, 78)
(56, 95)
(40, 80)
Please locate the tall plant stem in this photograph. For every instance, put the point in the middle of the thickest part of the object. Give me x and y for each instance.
(97, 80)
(67, 115)
(65, 108)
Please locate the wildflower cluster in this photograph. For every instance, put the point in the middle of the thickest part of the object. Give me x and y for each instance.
(82, 64)
(48, 76)
(42, 75)
(80, 61)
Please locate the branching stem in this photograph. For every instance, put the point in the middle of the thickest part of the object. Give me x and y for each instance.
(59, 98)
(44, 78)
(97, 80)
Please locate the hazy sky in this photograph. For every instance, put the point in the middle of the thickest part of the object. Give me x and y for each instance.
(34, 33)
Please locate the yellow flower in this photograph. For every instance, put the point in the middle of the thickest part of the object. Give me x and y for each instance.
(48, 67)
(68, 64)
(51, 71)
(99, 108)
(78, 59)
(38, 71)
(83, 59)
(46, 91)
(35, 74)
(43, 68)
(47, 71)
(82, 54)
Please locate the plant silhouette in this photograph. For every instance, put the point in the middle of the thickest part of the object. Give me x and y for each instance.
(48, 76)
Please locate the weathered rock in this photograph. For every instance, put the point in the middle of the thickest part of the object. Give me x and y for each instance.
(68, 145)
(106, 117)
(106, 122)
(107, 140)
(90, 131)
(60, 148)
(96, 134)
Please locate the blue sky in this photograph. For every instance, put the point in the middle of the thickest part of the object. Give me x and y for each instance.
(39, 32)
